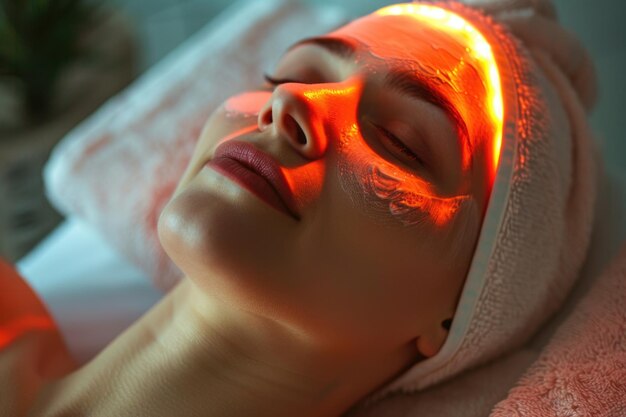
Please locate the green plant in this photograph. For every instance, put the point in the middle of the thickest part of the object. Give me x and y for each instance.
(38, 40)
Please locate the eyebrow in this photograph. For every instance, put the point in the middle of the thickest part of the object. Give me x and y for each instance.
(337, 46)
(407, 83)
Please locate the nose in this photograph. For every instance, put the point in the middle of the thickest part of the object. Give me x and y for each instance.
(297, 116)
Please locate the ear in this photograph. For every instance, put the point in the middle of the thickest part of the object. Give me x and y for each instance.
(431, 342)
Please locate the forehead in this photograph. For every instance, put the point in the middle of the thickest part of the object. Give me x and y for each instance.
(406, 39)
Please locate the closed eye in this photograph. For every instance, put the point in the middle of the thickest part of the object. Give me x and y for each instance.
(274, 82)
(398, 144)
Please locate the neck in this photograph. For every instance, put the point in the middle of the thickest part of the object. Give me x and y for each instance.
(195, 354)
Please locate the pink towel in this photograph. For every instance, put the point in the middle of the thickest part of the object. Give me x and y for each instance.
(582, 371)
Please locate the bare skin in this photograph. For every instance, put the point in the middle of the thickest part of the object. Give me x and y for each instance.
(187, 357)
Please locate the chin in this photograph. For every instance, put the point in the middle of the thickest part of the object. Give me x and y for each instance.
(222, 238)
(193, 229)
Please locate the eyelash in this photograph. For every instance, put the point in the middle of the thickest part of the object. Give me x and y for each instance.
(393, 139)
(277, 81)
(398, 144)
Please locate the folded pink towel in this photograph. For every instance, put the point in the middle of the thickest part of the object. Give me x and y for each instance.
(582, 371)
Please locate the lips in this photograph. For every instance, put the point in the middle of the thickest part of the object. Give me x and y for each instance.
(256, 171)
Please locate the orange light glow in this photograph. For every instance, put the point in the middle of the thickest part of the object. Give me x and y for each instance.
(21, 312)
(478, 46)
(322, 93)
(385, 187)
(25, 324)
(409, 202)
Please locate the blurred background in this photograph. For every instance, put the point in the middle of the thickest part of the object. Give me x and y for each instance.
(51, 52)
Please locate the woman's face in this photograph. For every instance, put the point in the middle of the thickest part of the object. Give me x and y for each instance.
(380, 133)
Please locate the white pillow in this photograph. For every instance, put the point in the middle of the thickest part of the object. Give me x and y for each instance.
(117, 170)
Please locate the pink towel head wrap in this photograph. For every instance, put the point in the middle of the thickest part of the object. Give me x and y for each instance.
(537, 226)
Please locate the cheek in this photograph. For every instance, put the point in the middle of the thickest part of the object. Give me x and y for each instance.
(446, 228)
(387, 193)
(246, 104)
(236, 115)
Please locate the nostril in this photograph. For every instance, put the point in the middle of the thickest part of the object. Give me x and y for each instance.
(266, 118)
(295, 130)
(301, 136)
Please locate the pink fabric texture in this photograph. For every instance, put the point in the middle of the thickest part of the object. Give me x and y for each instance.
(582, 371)
(118, 169)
